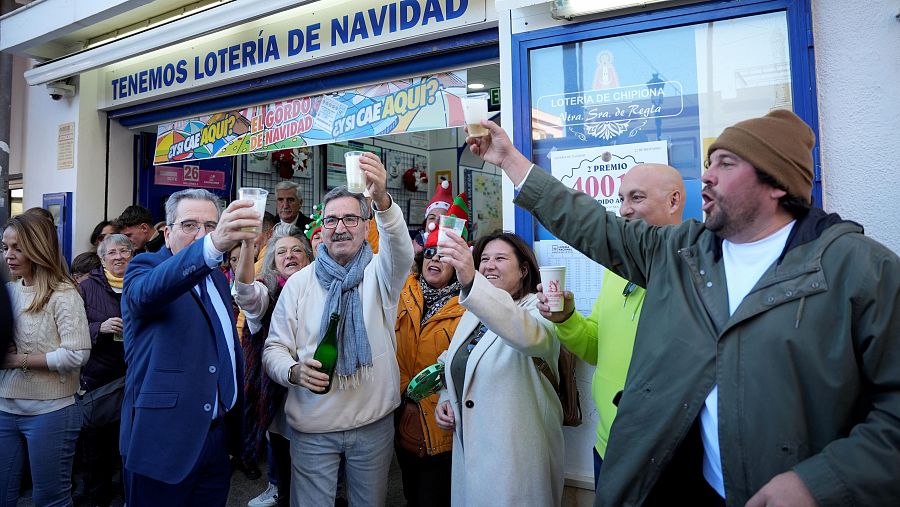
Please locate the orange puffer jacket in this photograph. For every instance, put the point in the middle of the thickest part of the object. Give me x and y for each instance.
(419, 346)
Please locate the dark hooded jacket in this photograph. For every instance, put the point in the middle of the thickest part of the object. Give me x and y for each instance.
(107, 360)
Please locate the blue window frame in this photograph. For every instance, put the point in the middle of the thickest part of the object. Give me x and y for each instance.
(656, 41)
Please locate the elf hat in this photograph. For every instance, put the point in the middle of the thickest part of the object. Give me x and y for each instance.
(316, 225)
(442, 198)
(459, 209)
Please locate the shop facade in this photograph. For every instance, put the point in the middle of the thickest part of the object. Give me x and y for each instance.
(585, 95)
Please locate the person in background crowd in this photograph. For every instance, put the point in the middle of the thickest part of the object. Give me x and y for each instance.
(259, 245)
(655, 194)
(440, 203)
(136, 222)
(765, 376)
(102, 293)
(262, 241)
(83, 264)
(288, 253)
(288, 202)
(499, 397)
(160, 226)
(427, 316)
(229, 261)
(354, 419)
(102, 230)
(39, 376)
(41, 212)
(314, 228)
(182, 412)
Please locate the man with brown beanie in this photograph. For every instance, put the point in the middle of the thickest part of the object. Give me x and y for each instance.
(765, 368)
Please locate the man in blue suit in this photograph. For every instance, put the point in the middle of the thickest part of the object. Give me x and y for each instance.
(182, 408)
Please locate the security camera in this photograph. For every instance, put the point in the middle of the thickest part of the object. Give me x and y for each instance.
(60, 89)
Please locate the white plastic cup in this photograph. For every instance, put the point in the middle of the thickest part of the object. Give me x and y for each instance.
(258, 196)
(553, 281)
(475, 109)
(451, 223)
(356, 178)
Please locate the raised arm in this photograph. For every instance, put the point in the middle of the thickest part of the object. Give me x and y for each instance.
(518, 325)
(395, 253)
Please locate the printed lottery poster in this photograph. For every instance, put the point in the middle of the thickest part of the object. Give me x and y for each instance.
(597, 172)
(404, 105)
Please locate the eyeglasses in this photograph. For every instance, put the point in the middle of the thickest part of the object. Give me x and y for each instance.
(349, 221)
(192, 226)
(430, 253)
(124, 252)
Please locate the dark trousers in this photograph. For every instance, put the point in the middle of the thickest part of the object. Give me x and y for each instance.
(281, 456)
(598, 463)
(426, 481)
(207, 484)
(682, 481)
(100, 461)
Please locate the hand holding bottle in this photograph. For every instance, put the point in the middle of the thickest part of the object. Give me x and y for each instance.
(306, 374)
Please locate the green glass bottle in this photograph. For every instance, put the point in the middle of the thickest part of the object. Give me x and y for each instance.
(327, 351)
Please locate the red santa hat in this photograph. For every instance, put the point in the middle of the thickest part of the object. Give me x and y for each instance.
(442, 198)
(459, 209)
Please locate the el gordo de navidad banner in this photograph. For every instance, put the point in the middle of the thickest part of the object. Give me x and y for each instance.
(408, 105)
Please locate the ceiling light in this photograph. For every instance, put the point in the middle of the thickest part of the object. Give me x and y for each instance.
(476, 86)
(568, 9)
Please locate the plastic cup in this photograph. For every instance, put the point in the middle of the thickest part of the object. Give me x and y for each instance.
(258, 196)
(475, 109)
(356, 178)
(450, 223)
(553, 281)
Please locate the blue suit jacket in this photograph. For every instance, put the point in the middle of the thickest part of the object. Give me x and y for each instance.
(173, 364)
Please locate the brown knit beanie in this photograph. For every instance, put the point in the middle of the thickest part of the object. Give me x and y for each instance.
(779, 144)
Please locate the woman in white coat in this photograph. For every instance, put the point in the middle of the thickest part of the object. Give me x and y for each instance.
(507, 419)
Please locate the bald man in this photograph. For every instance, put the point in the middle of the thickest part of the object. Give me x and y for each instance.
(653, 193)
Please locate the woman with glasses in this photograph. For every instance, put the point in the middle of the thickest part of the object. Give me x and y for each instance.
(427, 316)
(39, 375)
(286, 253)
(500, 372)
(103, 377)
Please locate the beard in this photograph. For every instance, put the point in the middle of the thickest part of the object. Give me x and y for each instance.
(729, 218)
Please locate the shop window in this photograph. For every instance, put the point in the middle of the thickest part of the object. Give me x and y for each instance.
(599, 97)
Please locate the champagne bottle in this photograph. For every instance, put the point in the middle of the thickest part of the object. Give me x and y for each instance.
(327, 351)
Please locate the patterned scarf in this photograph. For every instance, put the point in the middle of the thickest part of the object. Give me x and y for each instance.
(114, 281)
(435, 299)
(342, 285)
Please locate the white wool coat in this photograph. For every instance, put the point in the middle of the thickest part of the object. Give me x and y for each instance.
(508, 449)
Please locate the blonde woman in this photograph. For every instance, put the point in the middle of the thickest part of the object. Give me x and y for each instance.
(39, 374)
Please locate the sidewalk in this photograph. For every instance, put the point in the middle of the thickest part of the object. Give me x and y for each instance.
(243, 489)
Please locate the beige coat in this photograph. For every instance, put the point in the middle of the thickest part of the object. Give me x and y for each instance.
(294, 334)
(509, 448)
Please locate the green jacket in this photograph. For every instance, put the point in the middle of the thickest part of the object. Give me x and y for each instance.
(605, 339)
(808, 366)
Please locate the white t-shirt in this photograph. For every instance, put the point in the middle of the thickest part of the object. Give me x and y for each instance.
(745, 263)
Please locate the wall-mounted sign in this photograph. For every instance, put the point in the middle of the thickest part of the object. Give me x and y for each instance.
(295, 37)
(65, 146)
(494, 94)
(188, 176)
(416, 104)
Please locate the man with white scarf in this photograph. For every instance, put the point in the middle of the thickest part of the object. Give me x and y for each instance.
(355, 418)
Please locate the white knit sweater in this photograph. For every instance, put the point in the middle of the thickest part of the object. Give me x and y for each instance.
(62, 323)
